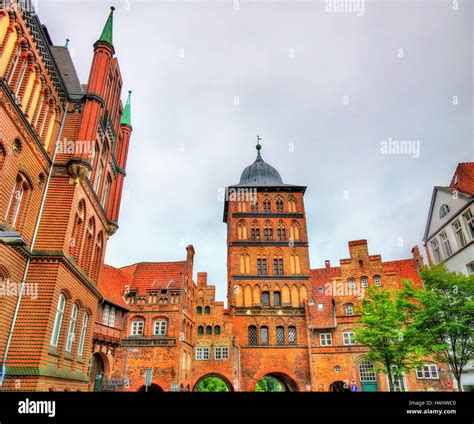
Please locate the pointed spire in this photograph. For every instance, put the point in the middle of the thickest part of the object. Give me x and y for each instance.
(107, 31)
(126, 116)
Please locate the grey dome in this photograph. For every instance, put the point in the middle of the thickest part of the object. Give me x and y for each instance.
(260, 173)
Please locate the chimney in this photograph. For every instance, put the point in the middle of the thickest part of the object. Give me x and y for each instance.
(327, 262)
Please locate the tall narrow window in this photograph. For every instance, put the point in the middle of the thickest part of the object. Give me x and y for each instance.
(264, 335)
(82, 339)
(72, 328)
(255, 232)
(268, 232)
(349, 309)
(280, 335)
(266, 206)
(3, 156)
(276, 298)
(217, 330)
(445, 243)
(377, 280)
(364, 282)
(278, 266)
(208, 330)
(281, 232)
(58, 320)
(458, 230)
(254, 205)
(200, 330)
(112, 316)
(199, 310)
(261, 266)
(292, 335)
(468, 219)
(105, 315)
(207, 310)
(105, 192)
(265, 299)
(18, 200)
(279, 205)
(252, 335)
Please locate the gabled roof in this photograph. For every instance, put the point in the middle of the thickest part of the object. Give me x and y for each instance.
(405, 269)
(112, 284)
(67, 71)
(322, 318)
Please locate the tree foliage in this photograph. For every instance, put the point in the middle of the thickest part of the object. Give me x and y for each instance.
(212, 384)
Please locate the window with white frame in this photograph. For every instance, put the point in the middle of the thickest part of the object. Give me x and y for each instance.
(72, 328)
(460, 236)
(377, 280)
(58, 320)
(112, 316)
(325, 339)
(221, 353)
(349, 309)
(469, 221)
(436, 251)
(365, 282)
(82, 339)
(445, 243)
(202, 353)
(352, 283)
(427, 371)
(348, 338)
(105, 315)
(159, 328)
(137, 328)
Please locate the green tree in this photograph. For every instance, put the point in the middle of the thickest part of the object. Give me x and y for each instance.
(387, 329)
(212, 384)
(446, 317)
(269, 384)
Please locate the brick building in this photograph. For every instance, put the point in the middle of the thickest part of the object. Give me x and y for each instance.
(284, 320)
(63, 150)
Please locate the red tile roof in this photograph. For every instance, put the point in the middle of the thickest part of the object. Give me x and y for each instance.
(465, 178)
(111, 285)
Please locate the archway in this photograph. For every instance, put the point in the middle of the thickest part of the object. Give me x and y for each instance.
(338, 386)
(151, 388)
(213, 383)
(276, 382)
(97, 374)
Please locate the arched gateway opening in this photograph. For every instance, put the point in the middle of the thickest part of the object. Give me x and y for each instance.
(276, 382)
(98, 371)
(151, 388)
(213, 383)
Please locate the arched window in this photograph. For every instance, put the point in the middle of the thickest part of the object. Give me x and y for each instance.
(292, 335)
(294, 231)
(88, 253)
(77, 231)
(100, 169)
(85, 320)
(58, 320)
(265, 298)
(105, 192)
(241, 231)
(267, 206)
(254, 204)
(72, 328)
(279, 205)
(199, 310)
(18, 201)
(208, 330)
(217, 329)
(292, 204)
(200, 330)
(252, 335)
(278, 266)
(245, 264)
(137, 327)
(264, 335)
(377, 280)
(261, 266)
(349, 309)
(280, 335)
(281, 232)
(159, 327)
(295, 266)
(268, 231)
(255, 231)
(207, 310)
(351, 283)
(444, 210)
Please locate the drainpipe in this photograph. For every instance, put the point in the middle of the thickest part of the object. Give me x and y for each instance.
(28, 260)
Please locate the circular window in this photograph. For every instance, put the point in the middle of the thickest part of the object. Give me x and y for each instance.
(17, 147)
(337, 369)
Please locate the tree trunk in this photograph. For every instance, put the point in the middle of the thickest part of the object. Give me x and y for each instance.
(458, 379)
(390, 382)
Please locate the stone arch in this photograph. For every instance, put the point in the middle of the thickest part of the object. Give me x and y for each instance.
(285, 295)
(295, 297)
(152, 388)
(221, 377)
(100, 368)
(303, 294)
(283, 376)
(256, 295)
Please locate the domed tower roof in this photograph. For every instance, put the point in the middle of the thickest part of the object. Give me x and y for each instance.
(260, 173)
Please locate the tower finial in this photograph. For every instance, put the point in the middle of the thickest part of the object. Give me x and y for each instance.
(107, 31)
(66, 43)
(259, 146)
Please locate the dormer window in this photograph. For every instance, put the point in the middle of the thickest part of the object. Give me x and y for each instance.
(444, 210)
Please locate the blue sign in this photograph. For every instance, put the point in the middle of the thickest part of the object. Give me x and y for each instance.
(354, 388)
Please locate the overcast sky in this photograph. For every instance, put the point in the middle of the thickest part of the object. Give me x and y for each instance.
(324, 91)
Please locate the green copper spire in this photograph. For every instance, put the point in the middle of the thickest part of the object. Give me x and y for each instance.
(126, 116)
(107, 31)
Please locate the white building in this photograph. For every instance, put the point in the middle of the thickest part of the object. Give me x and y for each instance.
(449, 233)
